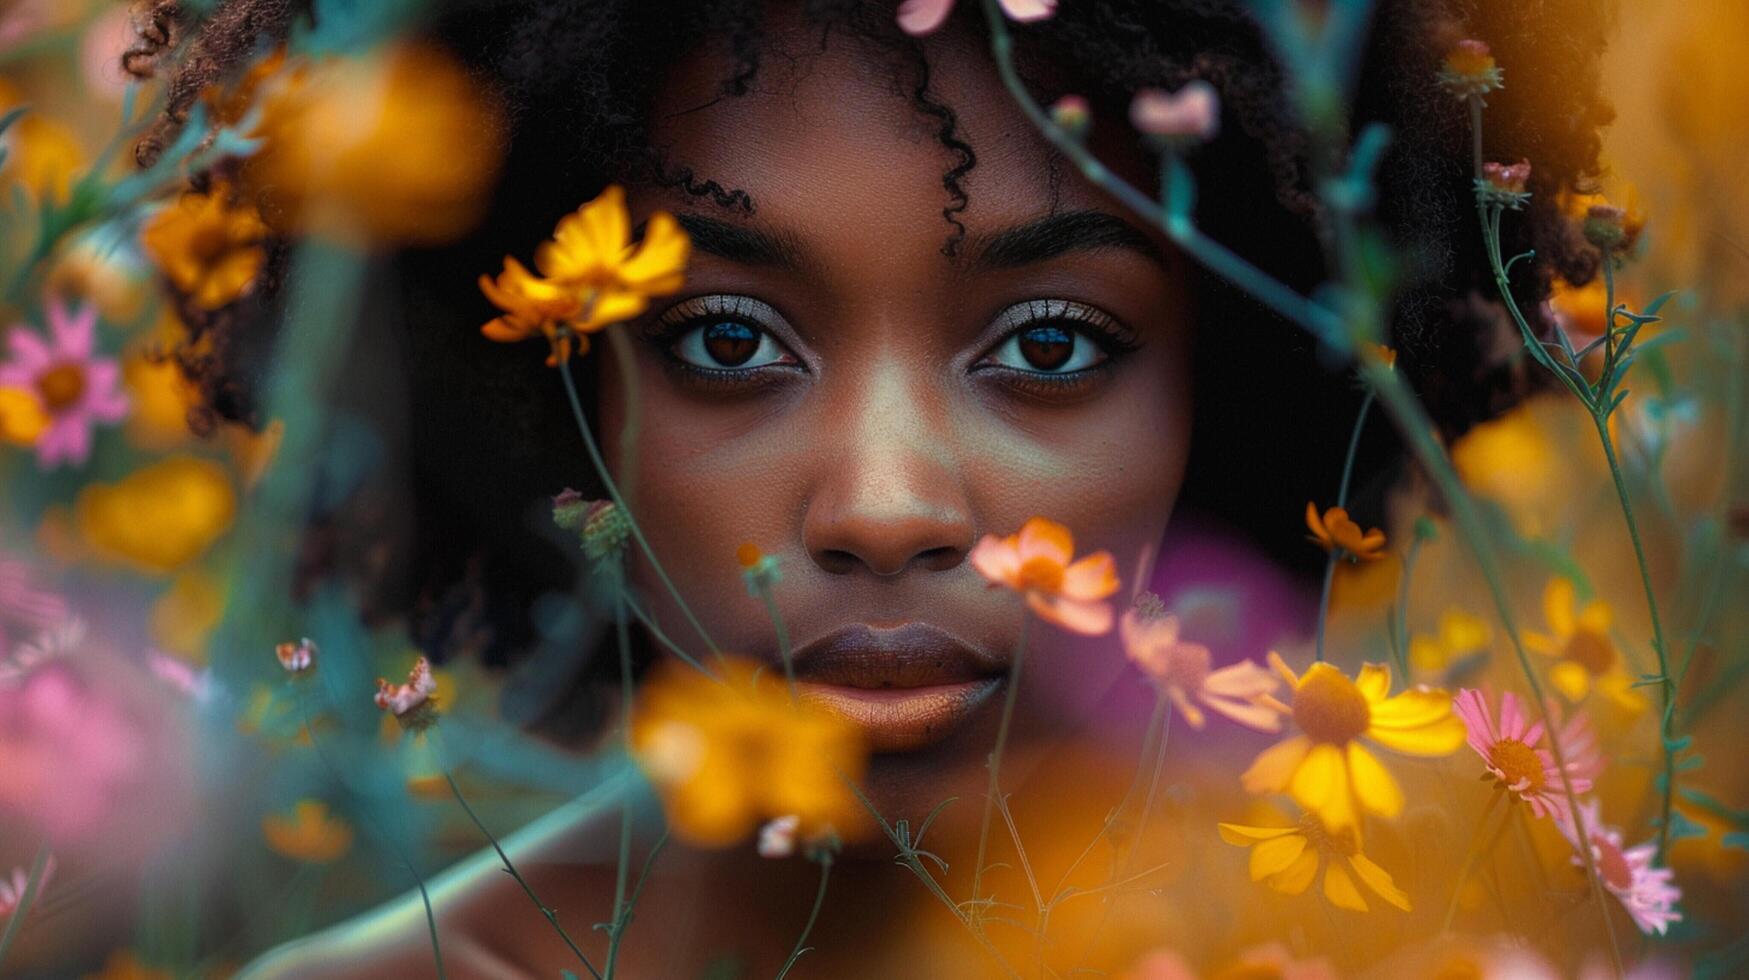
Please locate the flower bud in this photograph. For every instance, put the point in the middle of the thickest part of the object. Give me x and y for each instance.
(1470, 71)
(1190, 115)
(1072, 113)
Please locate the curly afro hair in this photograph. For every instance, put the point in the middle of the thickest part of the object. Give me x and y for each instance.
(578, 77)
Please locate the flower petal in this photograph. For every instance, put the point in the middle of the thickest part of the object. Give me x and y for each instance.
(1028, 10)
(659, 264)
(1571, 680)
(1373, 784)
(1086, 618)
(1093, 577)
(1379, 880)
(1243, 835)
(1374, 682)
(1275, 855)
(1321, 781)
(1044, 538)
(1339, 888)
(1274, 767)
(1298, 875)
(997, 559)
(1558, 606)
(919, 17)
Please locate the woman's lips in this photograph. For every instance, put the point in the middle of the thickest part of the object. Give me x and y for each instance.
(906, 687)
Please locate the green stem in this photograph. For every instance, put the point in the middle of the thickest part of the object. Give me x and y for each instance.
(813, 916)
(643, 617)
(995, 761)
(783, 650)
(1341, 501)
(1473, 855)
(619, 499)
(1400, 625)
(1666, 725)
(31, 884)
(551, 916)
(623, 866)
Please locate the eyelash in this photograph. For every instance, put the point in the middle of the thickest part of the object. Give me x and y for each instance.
(1112, 337)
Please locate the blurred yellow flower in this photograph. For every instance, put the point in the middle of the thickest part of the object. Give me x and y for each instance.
(161, 397)
(309, 833)
(399, 146)
(22, 418)
(728, 755)
(1287, 859)
(1459, 636)
(160, 517)
(1585, 655)
(208, 244)
(125, 964)
(42, 154)
(1326, 768)
(593, 276)
(187, 613)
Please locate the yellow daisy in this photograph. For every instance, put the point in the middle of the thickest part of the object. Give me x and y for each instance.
(1585, 655)
(1287, 859)
(1326, 768)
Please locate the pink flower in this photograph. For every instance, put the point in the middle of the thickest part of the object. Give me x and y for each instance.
(1182, 671)
(300, 656)
(777, 839)
(12, 888)
(1513, 752)
(23, 604)
(1649, 894)
(1508, 177)
(405, 700)
(1191, 113)
(920, 17)
(74, 387)
(65, 751)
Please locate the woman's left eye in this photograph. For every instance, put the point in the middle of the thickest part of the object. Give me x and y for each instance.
(1047, 348)
(729, 345)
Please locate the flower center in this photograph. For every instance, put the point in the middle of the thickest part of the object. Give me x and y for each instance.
(61, 386)
(209, 243)
(1612, 864)
(1329, 708)
(1591, 650)
(1518, 763)
(1322, 839)
(1041, 573)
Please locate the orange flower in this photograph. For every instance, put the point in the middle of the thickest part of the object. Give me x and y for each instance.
(309, 834)
(1470, 70)
(591, 276)
(1037, 563)
(209, 246)
(1339, 535)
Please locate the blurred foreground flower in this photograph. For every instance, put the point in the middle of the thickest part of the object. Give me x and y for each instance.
(919, 17)
(300, 657)
(42, 154)
(727, 755)
(593, 276)
(65, 750)
(1287, 858)
(13, 887)
(1459, 637)
(1585, 655)
(209, 245)
(1182, 671)
(160, 517)
(1513, 753)
(396, 147)
(1191, 114)
(75, 389)
(24, 604)
(1038, 562)
(1326, 768)
(1648, 893)
(309, 833)
(1336, 533)
(1269, 962)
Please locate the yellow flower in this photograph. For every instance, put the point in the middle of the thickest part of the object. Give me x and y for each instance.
(22, 417)
(1336, 533)
(209, 245)
(396, 147)
(160, 517)
(1287, 859)
(728, 755)
(187, 613)
(1326, 768)
(1586, 656)
(308, 834)
(591, 275)
(41, 153)
(1460, 636)
(161, 397)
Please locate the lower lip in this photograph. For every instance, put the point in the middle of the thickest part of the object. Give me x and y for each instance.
(900, 719)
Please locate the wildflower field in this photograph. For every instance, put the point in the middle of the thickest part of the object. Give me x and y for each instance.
(1495, 733)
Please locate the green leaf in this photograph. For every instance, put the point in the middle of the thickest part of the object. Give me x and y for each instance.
(1682, 828)
(1679, 744)
(567, 975)
(1654, 306)
(1738, 839)
(9, 118)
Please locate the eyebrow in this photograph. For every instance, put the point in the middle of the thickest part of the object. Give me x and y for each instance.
(740, 243)
(1060, 234)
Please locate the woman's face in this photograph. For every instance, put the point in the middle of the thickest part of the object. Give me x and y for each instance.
(833, 388)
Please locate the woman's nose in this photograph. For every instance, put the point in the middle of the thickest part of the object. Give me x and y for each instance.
(889, 496)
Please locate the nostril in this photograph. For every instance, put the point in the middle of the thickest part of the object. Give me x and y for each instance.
(836, 561)
(939, 559)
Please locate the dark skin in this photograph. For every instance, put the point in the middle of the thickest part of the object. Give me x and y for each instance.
(874, 409)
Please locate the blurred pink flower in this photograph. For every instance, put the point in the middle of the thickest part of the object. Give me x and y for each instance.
(12, 888)
(919, 17)
(75, 387)
(1183, 671)
(1193, 112)
(23, 604)
(65, 751)
(1649, 894)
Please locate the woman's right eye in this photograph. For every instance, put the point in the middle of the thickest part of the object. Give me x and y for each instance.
(729, 345)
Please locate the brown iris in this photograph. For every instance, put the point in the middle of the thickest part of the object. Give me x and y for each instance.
(1047, 348)
(730, 344)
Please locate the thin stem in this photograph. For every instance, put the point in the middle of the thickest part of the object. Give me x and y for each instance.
(1341, 501)
(1153, 789)
(813, 915)
(623, 867)
(643, 617)
(783, 650)
(1147, 751)
(1666, 731)
(551, 916)
(995, 761)
(1471, 857)
(1400, 618)
(631, 521)
(31, 884)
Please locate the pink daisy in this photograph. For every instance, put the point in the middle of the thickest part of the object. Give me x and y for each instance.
(1183, 671)
(1649, 894)
(1514, 754)
(919, 17)
(76, 388)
